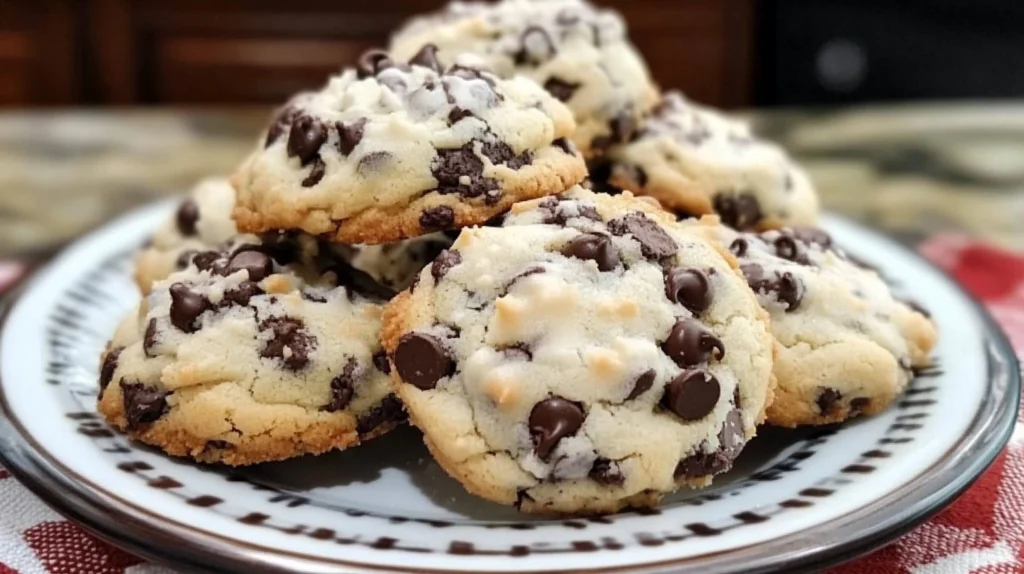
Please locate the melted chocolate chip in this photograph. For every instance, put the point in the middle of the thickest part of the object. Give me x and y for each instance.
(372, 62)
(792, 249)
(444, 262)
(642, 384)
(427, 57)
(142, 405)
(242, 294)
(692, 395)
(257, 264)
(305, 138)
(380, 360)
(689, 287)
(690, 343)
(349, 135)
(108, 367)
(787, 287)
(606, 472)
(740, 212)
(187, 217)
(739, 247)
(623, 127)
(565, 145)
(316, 173)
(282, 118)
(343, 387)
(186, 307)
(731, 439)
(457, 114)
(560, 89)
(149, 339)
(204, 261)
(654, 242)
(437, 217)
(550, 421)
(290, 342)
(858, 405)
(422, 360)
(828, 399)
(389, 410)
(593, 247)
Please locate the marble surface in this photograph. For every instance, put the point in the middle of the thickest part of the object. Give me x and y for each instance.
(910, 170)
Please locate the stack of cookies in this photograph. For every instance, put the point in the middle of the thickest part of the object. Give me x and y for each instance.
(494, 230)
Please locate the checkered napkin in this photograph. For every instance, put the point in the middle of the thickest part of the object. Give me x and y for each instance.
(981, 533)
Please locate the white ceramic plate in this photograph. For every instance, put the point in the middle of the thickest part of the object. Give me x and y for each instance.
(795, 499)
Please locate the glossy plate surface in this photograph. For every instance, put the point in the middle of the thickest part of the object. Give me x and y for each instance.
(807, 498)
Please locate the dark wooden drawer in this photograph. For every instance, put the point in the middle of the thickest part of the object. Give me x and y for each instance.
(38, 50)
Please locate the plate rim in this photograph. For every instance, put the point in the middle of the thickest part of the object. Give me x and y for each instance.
(173, 544)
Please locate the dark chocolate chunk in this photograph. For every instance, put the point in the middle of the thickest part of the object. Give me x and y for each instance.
(787, 288)
(692, 395)
(343, 387)
(740, 211)
(560, 89)
(437, 217)
(372, 62)
(790, 248)
(730, 442)
(316, 173)
(142, 405)
(689, 287)
(282, 119)
(607, 472)
(422, 360)
(501, 154)
(458, 114)
(812, 235)
(690, 343)
(187, 217)
(654, 242)
(305, 138)
(739, 246)
(452, 165)
(349, 135)
(149, 338)
(550, 421)
(186, 307)
(597, 248)
(380, 360)
(565, 145)
(828, 399)
(444, 262)
(858, 405)
(257, 264)
(623, 127)
(204, 261)
(642, 384)
(290, 342)
(389, 410)
(427, 57)
(242, 294)
(108, 367)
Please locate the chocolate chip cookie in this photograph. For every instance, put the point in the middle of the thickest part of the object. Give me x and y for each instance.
(200, 222)
(579, 53)
(696, 161)
(582, 365)
(393, 150)
(250, 355)
(847, 346)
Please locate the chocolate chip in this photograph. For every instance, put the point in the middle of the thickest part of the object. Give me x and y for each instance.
(690, 343)
(380, 360)
(634, 174)
(316, 173)
(828, 399)
(444, 262)
(349, 135)
(372, 62)
(550, 421)
(654, 242)
(437, 217)
(642, 384)
(606, 472)
(565, 145)
(501, 154)
(422, 360)
(689, 287)
(373, 162)
(739, 247)
(458, 114)
(290, 342)
(389, 410)
(790, 248)
(858, 405)
(740, 212)
(149, 339)
(452, 165)
(692, 395)
(536, 46)
(731, 439)
(242, 294)
(204, 261)
(108, 367)
(282, 118)
(343, 387)
(186, 307)
(812, 235)
(623, 127)
(560, 89)
(142, 404)
(559, 212)
(600, 144)
(257, 264)
(305, 138)
(594, 247)
(187, 217)
(787, 287)
(427, 57)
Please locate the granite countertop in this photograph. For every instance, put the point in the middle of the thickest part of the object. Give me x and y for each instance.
(909, 170)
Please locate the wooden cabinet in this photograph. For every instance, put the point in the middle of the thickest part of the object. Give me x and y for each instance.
(261, 51)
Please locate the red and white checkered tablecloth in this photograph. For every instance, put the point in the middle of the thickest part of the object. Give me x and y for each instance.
(981, 533)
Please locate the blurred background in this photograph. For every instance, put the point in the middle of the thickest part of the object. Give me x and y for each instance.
(904, 113)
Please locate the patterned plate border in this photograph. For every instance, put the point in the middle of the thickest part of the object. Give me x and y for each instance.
(105, 513)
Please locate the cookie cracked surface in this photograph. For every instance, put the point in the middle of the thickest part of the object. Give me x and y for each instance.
(587, 356)
(847, 346)
(579, 53)
(697, 161)
(252, 354)
(393, 150)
